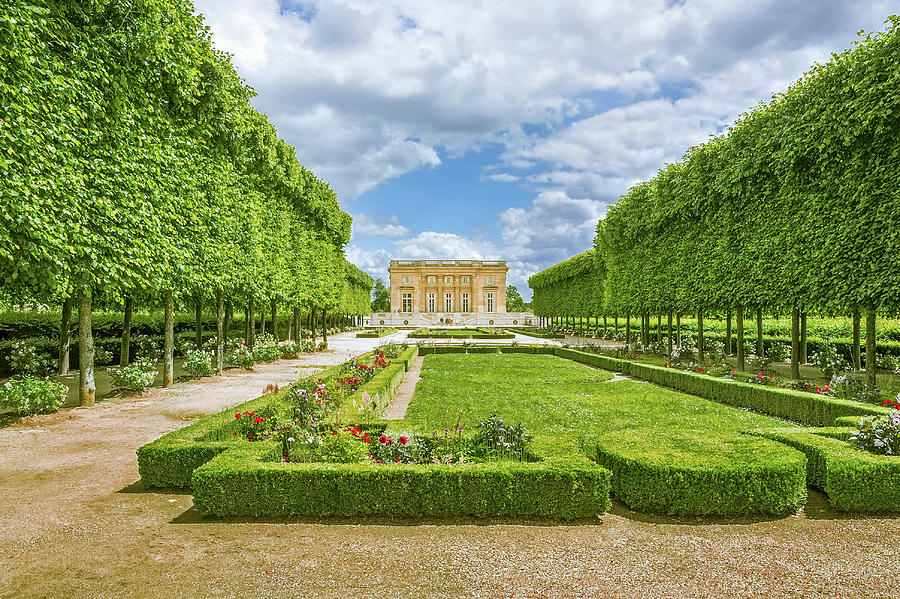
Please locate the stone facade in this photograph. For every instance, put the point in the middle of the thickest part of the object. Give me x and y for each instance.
(451, 287)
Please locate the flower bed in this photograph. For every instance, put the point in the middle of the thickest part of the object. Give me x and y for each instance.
(375, 334)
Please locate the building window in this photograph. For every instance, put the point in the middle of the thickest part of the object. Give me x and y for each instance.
(448, 302)
(465, 302)
(432, 279)
(406, 280)
(464, 280)
(448, 280)
(489, 281)
(490, 302)
(432, 303)
(407, 302)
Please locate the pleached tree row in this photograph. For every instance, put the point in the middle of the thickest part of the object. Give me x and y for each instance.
(795, 209)
(135, 170)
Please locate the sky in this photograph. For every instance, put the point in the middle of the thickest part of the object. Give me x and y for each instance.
(504, 129)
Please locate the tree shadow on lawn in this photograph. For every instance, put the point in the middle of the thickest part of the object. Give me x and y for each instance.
(192, 516)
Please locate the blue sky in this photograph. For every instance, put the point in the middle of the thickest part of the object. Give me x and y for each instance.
(503, 130)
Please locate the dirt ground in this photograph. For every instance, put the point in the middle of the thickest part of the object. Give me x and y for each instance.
(77, 523)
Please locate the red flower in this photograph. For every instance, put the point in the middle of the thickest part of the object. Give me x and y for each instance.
(402, 440)
(887, 402)
(237, 415)
(382, 439)
(366, 440)
(397, 460)
(333, 432)
(257, 419)
(234, 433)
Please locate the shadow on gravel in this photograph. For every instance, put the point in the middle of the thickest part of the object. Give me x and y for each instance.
(8, 419)
(817, 508)
(192, 516)
(138, 486)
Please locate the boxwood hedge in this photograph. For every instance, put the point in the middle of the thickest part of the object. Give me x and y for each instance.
(854, 479)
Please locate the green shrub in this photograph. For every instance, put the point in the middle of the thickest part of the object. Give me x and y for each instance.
(198, 362)
(854, 480)
(266, 349)
(289, 350)
(136, 376)
(341, 447)
(27, 361)
(240, 357)
(242, 483)
(704, 482)
(25, 395)
(806, 408)
(879, 434)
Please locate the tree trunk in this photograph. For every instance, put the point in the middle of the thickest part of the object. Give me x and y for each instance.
(220, 332)
(616, 322)
(325, 327)
(290, 329)
(86, 386)
(312, 326)
(628, 330)
(870, 348)
(247, 324)
(296, 324)
(169, 345)
(678, 327)
(275, 320)
(742, 359)
(65, 337)
(252, 340)
(760, 344)
(728, 351)
(804, 347)
(700, 354)
(125, 348)
(795, 343)
(669, 336)
(198, 324)
(262, 320)
(857, 358)
(229, 316)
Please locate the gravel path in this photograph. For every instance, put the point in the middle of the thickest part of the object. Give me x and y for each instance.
(76, 523)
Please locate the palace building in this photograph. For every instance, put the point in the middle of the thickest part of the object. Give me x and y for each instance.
(448, 286)
(448, 293)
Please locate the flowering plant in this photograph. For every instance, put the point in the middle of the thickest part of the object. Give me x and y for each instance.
(137, 376)
(25, 359)
(240, 357)
(762, 378)
(879, 434)
(32, 395)
(199, 362)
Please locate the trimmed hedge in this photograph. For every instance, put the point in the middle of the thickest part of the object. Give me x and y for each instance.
(702, 487)
(854, 480)
(540, 334)
(248, 483)
(806, 408)
(375, 334)
(231, 477)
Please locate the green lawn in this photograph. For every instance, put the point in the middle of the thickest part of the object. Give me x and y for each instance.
(669, 452)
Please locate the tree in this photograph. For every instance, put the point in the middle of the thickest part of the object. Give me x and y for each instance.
(381, 297)
(514, 301)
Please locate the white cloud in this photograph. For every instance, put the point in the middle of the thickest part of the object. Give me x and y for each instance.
(370, 90)
(375, 225)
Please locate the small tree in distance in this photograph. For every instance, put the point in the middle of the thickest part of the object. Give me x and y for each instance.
(514, 301)
(381, 297)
